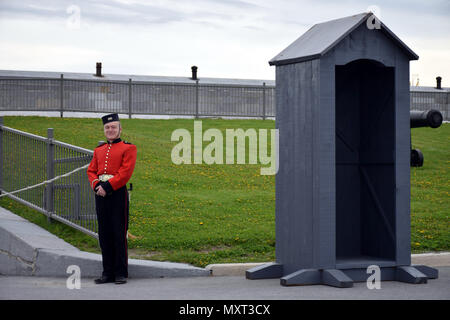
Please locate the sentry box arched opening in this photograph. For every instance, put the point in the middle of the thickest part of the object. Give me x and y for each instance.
(343, 185)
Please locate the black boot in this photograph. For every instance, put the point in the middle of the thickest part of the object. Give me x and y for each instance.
(121, 280)
(104, 279)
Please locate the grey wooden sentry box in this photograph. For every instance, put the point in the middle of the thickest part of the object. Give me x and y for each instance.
(343, 185)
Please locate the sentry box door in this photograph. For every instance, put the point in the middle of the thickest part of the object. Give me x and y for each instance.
(365, 163)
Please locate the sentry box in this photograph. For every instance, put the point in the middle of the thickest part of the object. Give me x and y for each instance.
(343, 185)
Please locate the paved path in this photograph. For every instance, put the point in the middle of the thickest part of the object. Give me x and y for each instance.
(216, 288)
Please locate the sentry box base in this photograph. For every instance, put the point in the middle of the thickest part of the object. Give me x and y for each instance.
(341, 278)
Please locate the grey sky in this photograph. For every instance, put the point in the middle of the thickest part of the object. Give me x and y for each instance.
(224, 38)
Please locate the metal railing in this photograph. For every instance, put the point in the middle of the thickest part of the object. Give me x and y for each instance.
(430, 98)
(164, 98)
(136, 97)
(27, 160)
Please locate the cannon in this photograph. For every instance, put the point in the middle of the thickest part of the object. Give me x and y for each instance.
(429, 118)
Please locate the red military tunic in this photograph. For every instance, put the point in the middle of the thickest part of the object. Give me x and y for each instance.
(118, 159)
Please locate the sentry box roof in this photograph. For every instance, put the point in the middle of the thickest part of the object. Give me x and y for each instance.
(322, 37)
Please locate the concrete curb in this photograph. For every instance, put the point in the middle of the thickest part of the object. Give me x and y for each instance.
(28, 250)
(432, 259)
(231, 269)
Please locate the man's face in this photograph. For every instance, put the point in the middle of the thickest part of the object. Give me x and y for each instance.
(112, 130)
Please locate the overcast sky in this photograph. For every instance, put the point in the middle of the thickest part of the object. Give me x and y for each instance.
(224, 38)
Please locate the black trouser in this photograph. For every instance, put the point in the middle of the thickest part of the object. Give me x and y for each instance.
(112, 215)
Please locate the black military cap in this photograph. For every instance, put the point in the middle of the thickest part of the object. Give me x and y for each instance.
(110, 118)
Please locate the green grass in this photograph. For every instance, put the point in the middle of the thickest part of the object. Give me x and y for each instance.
(202, 214)
(430, 191)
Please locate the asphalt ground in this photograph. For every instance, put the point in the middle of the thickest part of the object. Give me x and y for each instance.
(220, 297)
(216, 288)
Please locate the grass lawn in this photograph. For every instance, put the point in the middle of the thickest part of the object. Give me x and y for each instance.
(202, 214)
(430, 190)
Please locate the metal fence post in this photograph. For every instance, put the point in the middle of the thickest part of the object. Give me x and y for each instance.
(1, 154)
(264, 101)
(61, 92)
(447, 116)
(196, 99)
(129, 98)
(50, 173)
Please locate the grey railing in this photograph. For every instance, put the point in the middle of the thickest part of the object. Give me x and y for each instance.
(425, 98)
(27, 160)
(161, 98)
(135, 97)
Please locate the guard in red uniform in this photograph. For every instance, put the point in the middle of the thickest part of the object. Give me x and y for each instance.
(109, 171)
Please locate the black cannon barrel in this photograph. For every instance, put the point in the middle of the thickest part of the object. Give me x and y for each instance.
(429, 118)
